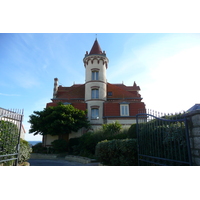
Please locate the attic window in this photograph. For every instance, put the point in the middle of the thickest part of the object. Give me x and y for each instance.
(109, 94)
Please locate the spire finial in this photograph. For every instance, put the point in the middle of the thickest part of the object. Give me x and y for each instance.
(96, 36)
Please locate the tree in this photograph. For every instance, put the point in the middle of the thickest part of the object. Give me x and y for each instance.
(60, 120)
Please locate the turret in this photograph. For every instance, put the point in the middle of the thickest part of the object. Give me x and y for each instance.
(95, 64)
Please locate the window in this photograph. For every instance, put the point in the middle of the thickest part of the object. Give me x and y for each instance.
(95, 75)
(95, 113)
(124, 110)
(95, 93)
(109, 93)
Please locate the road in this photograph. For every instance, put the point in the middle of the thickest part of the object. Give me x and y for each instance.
(57, 162)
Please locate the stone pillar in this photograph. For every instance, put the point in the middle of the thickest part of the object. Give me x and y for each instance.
(194, 135)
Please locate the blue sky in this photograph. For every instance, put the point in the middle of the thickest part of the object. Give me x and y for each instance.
(165, 66)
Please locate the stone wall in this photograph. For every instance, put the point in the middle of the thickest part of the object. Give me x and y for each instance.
(194, 135)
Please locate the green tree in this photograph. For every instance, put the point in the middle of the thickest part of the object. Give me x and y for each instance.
(60, 120)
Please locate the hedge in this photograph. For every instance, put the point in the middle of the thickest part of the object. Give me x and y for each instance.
(24, 151)
(117, 152)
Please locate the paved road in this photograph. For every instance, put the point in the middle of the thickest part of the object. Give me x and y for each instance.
(57, 162)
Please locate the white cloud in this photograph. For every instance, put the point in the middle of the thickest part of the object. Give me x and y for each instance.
(3, 94)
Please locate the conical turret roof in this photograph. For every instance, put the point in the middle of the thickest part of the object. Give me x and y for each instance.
(96, 49)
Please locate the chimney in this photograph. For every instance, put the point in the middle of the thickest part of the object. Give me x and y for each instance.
(55, 89)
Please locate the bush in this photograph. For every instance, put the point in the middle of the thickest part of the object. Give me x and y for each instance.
(87, 144)
(38, 148)
(132, 131)
(24, 151)
(60, 146)
(73, 145)
(9, 135)
(112, 129)
(117, 152)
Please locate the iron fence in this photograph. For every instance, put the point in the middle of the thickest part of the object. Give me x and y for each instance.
(163, 139)
(10, 130)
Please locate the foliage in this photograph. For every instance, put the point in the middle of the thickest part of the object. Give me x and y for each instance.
(9, 134)
(117, 152)
(60, 145)
(85, 145)
(73, 144)
(24, 151)
(165, 139)
(112, 129)
(39, 148)
(58, 120)
(132, 132)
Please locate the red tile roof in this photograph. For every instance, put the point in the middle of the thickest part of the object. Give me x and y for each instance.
(96, 49)
(122, 91)
(75, 91)
(78, 105)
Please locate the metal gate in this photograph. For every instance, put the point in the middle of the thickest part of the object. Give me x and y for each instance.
(10, 129)
(163, 140)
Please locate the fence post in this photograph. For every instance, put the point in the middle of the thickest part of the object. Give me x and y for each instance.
(194, 135)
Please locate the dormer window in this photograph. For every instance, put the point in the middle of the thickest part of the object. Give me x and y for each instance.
(109, 94)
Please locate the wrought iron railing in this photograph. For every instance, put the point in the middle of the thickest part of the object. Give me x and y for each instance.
(163, 139)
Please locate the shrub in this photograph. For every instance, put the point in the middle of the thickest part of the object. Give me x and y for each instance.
(73, 145)
(24, 151)
(60, 145)
(117, 152)
(87, 144)
(38, 148)
(9, 134)
(132, 132)
(112, 129)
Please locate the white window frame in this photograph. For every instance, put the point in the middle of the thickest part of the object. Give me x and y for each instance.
(95, 113)
(124, 109)
(95, 93)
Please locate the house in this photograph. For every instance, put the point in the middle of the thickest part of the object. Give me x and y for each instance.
(104, 101)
